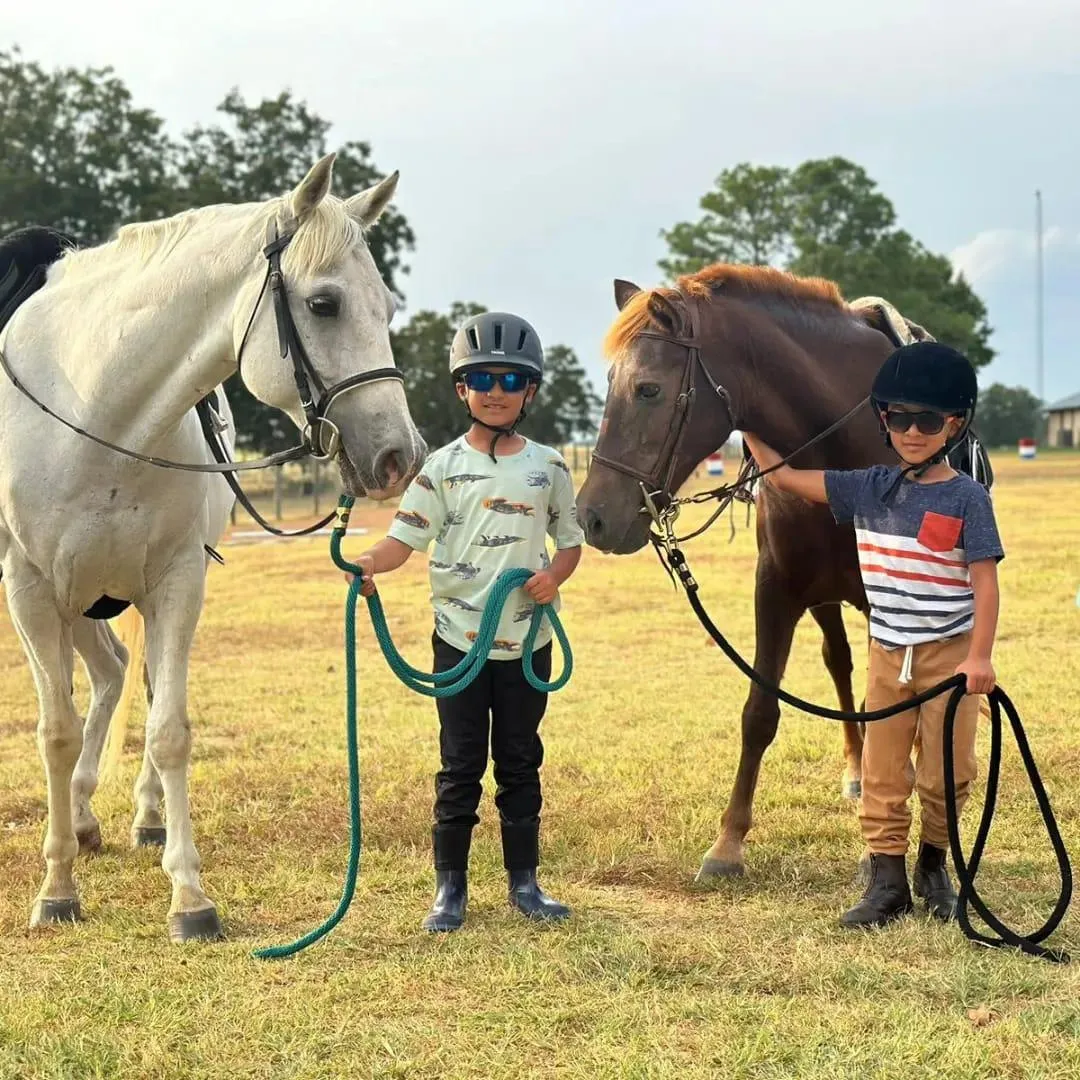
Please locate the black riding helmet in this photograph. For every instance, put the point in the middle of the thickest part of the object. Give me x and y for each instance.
(934, 376)
(496, 338)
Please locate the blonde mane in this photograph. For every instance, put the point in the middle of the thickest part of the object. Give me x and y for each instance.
(320, 242)
(749, 282)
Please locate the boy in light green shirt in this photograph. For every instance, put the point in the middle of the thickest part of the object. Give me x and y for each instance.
(488, 502)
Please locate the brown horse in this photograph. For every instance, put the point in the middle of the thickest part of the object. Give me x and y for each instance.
(754, 349)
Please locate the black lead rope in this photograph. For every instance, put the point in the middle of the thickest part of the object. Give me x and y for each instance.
(966, 869)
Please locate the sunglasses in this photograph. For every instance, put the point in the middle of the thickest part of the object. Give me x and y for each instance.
(512, 382)
(927, 423)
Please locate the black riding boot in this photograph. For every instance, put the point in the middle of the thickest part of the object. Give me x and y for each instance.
(887, 896)
(451, 847)
(931, 881)
(521, 853)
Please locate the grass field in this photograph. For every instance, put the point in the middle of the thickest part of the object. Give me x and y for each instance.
(654, 976)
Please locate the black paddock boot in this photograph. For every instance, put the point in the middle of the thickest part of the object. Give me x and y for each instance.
(932, 884)
(451, 847)
(887, 896)
(521, 854)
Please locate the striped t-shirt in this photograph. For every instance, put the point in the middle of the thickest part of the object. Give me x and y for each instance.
(915, 549)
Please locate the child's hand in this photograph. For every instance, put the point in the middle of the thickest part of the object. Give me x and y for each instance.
(980, 675)
(542, 587)
(367, 575)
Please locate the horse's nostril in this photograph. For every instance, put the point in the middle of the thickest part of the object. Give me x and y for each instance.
(390, 467)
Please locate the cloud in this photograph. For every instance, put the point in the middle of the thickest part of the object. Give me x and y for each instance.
(990, 251)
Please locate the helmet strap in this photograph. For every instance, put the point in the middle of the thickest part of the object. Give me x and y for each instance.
(508, 429)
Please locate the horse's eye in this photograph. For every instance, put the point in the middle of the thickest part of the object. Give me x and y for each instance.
(648, 390)
(325, 307)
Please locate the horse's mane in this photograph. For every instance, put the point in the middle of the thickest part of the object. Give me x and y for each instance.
(320, 241)
(746, 282)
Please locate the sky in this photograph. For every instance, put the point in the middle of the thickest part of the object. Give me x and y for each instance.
(544, 144)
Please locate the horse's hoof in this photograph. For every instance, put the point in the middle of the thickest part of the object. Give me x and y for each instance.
(54, 912)
(148, 836)
(852, 789)
(90, 841)
(711, 869)
(196, 926)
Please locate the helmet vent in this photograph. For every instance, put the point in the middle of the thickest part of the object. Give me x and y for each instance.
(521, 340)
(474, 338)
(498, 328)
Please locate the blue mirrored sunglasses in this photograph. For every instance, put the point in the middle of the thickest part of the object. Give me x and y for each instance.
(512, 382)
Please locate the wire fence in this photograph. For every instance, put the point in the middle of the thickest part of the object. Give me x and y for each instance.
(310, 490)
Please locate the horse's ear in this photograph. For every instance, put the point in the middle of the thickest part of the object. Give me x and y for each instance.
(623, 291)
(367, 207)
(665, 312)
(312, 189)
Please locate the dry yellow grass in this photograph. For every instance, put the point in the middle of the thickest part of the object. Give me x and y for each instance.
(653, 977)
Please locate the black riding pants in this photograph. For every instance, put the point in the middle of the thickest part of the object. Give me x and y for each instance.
(502, 707)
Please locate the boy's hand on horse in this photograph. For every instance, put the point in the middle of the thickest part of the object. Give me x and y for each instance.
(979, 673)
(542, 587)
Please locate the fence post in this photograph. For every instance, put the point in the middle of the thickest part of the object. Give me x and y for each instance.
(277, 491)
(317, 482)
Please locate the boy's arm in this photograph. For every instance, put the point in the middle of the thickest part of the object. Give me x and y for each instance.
(806, 483)
(977, 665)
(386, 555)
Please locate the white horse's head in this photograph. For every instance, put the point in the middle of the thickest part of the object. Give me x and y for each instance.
(341, 309)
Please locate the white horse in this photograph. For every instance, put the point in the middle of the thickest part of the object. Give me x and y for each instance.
(122, 341)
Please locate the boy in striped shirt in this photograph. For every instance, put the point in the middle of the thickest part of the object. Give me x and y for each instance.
(928, 553)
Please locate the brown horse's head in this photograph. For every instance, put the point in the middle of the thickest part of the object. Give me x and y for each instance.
(662, 417)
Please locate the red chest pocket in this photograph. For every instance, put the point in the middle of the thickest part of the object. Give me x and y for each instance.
(939, 532)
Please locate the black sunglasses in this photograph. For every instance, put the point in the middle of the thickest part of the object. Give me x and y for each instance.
(928, 423)
(512, 382)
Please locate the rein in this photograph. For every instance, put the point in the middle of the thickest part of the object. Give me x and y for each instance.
(313, 442)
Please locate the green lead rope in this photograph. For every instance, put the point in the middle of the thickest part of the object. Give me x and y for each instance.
(441, 684)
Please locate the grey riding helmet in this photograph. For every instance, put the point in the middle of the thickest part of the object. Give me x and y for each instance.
(496, 337)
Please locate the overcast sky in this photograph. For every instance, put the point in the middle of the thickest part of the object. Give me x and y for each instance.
(543, 144)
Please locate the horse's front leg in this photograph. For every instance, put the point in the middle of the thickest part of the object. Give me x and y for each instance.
(171, 612)
(776, 614)
(105, 659)
(46, 639)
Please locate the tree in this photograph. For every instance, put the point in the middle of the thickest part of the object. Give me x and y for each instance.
(827, 218)
(77, 154)
(564, 408)
(1007, 414)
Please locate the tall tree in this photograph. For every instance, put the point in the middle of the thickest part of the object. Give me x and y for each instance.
(76, 153)
(1007, 414)
(827, 218)
(565, 408)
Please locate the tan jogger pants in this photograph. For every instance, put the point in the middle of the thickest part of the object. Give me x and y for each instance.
(888, 776)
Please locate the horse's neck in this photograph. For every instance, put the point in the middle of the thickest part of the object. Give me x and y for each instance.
(143, 342)
(795, 385)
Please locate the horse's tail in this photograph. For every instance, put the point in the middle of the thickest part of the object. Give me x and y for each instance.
(130, 630)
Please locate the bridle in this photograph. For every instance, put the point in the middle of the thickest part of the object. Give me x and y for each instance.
(656, 483)
(304, 374)
(313, 443)
(660, 502)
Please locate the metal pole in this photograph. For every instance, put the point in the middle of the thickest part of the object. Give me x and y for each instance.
(1038, 297)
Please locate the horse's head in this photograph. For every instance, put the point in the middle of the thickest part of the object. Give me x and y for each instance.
(662, 417)
(341, 309)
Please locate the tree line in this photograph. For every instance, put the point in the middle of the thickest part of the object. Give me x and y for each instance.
(81, 155)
